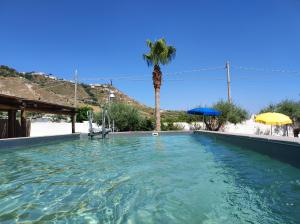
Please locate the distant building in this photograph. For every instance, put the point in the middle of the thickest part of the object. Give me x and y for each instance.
(45, 75)
(51, 77)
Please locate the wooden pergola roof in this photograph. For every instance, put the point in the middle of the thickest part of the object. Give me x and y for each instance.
(17, 103)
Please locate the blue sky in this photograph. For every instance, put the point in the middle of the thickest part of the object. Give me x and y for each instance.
(104, 39)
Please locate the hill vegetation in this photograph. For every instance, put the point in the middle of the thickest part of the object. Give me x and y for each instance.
(46, 87)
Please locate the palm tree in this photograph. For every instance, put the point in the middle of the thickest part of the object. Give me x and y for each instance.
(160, 54)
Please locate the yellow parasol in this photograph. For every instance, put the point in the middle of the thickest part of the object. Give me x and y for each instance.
(273, 119)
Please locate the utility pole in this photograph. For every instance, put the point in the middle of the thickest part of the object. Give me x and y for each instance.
(228, 81)
(75, 91)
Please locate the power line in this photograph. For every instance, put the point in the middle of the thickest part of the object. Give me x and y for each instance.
(197, 70)
(129, 76)
(266, 70)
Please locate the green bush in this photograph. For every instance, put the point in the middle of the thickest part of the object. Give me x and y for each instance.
(170, 127)
(287, 107)
(230, 113)
(8, 72)
(180, 116)
(167, 124)
(147, 124)
(126, 118)
(269, 108)
(82, 114)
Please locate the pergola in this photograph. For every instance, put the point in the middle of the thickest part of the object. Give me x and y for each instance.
(12, 104)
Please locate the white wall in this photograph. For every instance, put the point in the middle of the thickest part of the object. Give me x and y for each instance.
(57, 128)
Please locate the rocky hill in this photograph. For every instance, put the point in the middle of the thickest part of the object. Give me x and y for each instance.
(46, 87)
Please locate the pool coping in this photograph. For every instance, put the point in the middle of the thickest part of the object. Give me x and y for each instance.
(268, 138)
(9, 143)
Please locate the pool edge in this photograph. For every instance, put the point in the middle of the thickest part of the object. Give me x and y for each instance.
(280, 148)
(10, 143)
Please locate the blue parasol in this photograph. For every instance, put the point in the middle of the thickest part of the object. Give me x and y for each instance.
(204, 111)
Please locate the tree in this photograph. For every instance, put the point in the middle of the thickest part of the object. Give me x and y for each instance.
(126, 117)
(289, 108)
(160, 54)
(230, 113)
(82, 113)
(269, 108)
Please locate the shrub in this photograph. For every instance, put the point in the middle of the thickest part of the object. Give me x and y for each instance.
(8, 72)
(170, 127)
(147, 124)
(167, 124)
(287, 107)
(82, 114)
(126, 118)
(180, 116)
(230, 113)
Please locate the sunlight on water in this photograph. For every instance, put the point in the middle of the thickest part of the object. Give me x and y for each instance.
(165, 179)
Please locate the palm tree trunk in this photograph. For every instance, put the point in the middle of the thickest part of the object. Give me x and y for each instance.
(157, 108)
(157, 83)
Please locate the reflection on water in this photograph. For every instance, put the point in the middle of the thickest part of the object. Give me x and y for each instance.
(165, 179)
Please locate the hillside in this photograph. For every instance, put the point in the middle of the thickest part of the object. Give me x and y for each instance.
(46, 87)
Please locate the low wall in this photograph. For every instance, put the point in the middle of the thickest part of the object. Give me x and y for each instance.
(30, 141)
(280, 148)
(57, 128)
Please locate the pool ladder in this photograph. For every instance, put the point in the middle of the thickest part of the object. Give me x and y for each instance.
(103, 131)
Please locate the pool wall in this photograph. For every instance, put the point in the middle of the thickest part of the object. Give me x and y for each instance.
(139, 133)
(10, 143)
(280, 148)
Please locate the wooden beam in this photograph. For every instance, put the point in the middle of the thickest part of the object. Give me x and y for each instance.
(48, 111)
(11, 124)
(5, 107)
(23, 123)
(73, 119)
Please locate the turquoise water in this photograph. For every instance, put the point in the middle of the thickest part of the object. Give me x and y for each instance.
(166, 179)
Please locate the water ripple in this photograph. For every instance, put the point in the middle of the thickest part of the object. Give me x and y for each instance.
(166, 179)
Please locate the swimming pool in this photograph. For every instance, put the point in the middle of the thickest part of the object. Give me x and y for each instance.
(145, 179)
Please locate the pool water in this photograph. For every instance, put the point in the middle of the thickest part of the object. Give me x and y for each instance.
(165, 179)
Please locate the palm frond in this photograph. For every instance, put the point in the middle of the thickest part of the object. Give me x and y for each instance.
(149, 43)
(147, 58)
(160, 52)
